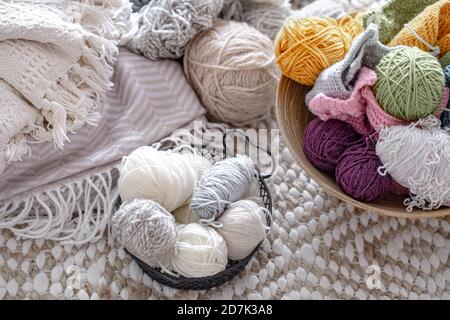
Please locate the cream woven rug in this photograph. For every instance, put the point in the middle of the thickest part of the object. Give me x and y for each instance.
(319, 248)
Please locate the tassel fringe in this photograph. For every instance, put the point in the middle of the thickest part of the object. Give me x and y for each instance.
(73, 213)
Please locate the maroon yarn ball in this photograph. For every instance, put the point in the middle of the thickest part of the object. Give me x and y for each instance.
(326, 141)
(357, 173)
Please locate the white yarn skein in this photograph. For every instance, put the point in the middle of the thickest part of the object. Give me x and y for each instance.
(231, 67)
(168, 178)
(225, 182)
(200, 252)
(185, 215)
(243, 228)
(418, 157)
(147, 230)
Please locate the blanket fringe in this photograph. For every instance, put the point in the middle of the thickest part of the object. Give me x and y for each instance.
(73, 213)
(74, 100)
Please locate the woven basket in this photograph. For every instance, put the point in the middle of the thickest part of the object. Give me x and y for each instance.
(293, 116)
(233, 267)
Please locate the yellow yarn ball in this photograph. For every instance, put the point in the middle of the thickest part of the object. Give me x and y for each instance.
(306, 46)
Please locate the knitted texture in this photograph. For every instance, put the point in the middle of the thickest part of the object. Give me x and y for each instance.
(337, 81)
(379, 118)
(445, 60)
(57, 58)
(445, 117)
(351, 110)
(432, 25)
(393, 15)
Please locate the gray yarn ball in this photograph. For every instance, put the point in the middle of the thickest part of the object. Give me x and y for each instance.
(222, 184)
(266, 18)
(232, 10)
(147, 230)
(167, 26)
(138, 4)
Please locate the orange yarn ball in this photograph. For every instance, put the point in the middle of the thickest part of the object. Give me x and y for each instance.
(306, 46)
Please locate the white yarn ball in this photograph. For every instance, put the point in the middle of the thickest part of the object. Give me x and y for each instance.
(200, 252)
(168, 178)
(146, 230)
(225, 182)
(243, 228)
(418, 157)
(185, 215)
(231, 68)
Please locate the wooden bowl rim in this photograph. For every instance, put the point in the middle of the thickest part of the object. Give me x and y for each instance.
(319, 176)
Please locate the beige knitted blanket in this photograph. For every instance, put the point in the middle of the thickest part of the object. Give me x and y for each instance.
(56, 61)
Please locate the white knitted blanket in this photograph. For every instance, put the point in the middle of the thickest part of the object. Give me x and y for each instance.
(56, 61)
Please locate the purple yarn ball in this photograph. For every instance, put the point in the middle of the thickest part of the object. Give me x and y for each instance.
(326, 141)
(357, 173)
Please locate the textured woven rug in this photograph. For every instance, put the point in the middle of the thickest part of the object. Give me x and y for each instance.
(318, 248)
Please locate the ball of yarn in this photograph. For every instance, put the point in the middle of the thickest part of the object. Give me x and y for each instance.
(168, 178)
(306, 46)
(243, 228)
(145, 229)
(200, 251)
(418, 157)
(230, 67)
(232, 10)
(273, 2)
(357, 173)
(225, 182)
(410, 84)
(138, 4)
(267, 18)
(166, 27)
(185, 215)
(326, 141)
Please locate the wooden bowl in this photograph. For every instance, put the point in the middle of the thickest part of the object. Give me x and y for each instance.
(293, 116)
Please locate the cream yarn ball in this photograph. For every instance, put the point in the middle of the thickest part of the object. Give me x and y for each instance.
(168, 178)
(200, 252)
(231, 67)
(185, 215)
(243, 228)
(146, 230)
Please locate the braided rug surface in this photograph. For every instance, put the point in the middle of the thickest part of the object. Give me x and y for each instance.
(318, 248)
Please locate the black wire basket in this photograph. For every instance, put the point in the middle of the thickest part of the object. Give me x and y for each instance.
(233, 267)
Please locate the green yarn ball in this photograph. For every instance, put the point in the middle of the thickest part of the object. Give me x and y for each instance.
(410, 84)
